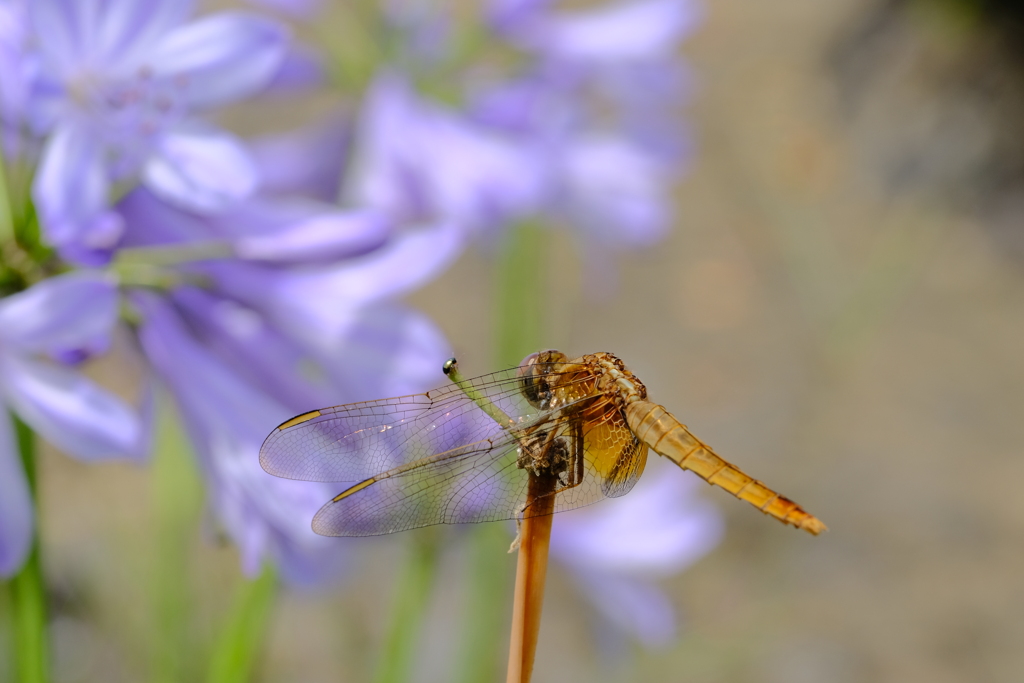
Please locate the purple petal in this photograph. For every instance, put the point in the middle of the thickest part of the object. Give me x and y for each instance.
(200, 169)
(506, 14)
(307, 161)
(227, 419)
(308, 232)
(659, 529)
(62, 312)
(420, 162)
(284, 297)
(56, 20)
(15, 66)
(398, 350)
(257, 352)
(617, 192)
(70, 190)
(124, 31)
(71, 412)
(273, 231)
(82, 351)
(635, 607)
(16, 519)
(529, 106)
(150, 221)
(222, 58)
(389, 350)
(387, 137)
(633, 30)
(302, 69)
(195, 374)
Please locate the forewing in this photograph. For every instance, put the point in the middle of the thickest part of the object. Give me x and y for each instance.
(350, 443)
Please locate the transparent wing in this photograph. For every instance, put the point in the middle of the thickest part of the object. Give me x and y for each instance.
(483, 481)
(352, 442)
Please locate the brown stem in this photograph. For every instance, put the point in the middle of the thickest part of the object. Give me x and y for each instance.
(531, 570)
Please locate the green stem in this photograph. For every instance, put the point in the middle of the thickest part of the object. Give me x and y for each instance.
(28, 590)
(173, 255)
(177, 504)
(410, 605)
(519, 323)
(6, 214)
(520, 292)
(155, 266)
(490, 586)
(240, 643)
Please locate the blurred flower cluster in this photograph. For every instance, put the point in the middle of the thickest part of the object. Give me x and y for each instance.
(261, 278)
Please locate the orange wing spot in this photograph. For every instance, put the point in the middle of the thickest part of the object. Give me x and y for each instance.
(299, 419)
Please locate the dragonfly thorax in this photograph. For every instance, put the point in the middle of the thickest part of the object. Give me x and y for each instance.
(615, 379)
(543, 454)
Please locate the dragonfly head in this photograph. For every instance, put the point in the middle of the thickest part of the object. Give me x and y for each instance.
(536, 374)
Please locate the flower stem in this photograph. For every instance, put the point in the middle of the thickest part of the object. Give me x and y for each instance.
(519, 294)
(6, 212)
(28, 591)
(173, 255)
(177, 502)
(487, 614)
(519, 322)
(241, 641)
(410, 605)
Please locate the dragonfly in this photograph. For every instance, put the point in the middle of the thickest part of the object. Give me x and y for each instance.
(467, 452)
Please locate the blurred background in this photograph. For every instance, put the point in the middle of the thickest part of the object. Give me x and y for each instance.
(838, 310)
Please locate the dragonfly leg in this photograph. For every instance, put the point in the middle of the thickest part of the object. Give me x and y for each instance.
(574, 471)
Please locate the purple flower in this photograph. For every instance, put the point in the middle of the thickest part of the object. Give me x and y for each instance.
(227, 419)
(599, 104)
(611, 35)
(271, 330)
(61, 313)
(235, 377)
(431, 170)
(307, 162)
(315, 303)
(418, 161)
(619, 548)
(115, 93)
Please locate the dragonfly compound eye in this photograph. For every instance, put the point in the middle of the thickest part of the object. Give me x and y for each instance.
(534, 376)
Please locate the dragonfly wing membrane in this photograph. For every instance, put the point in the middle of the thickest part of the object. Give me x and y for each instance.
(350, 443)
(475, 483)
(344, 443)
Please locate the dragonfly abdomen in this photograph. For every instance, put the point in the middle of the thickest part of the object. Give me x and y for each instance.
(668, 437)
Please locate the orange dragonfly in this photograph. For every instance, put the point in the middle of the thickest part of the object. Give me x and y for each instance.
(466, 452)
